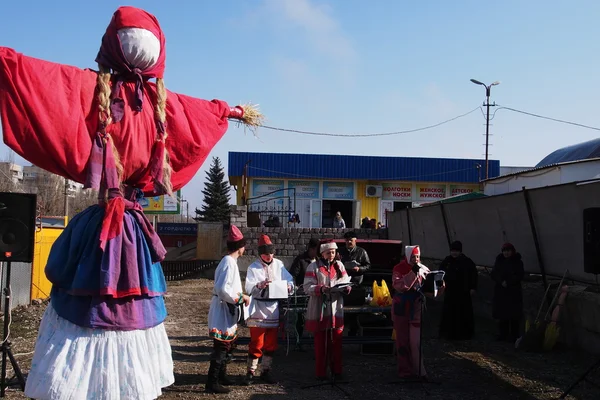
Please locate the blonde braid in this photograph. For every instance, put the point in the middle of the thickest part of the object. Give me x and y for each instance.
(161, 115)
(104, 115)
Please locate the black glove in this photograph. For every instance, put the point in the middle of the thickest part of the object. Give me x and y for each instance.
(415, 268)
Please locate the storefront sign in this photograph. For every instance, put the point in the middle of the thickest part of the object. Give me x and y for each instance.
(304, 189)
(397, 191)
(456, 190)
(338, 190)
(431, 192)
(262, 187)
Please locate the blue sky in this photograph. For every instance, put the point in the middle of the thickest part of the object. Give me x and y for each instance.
(350, 66)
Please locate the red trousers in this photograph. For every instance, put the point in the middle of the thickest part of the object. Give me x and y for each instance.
(408, 339)
(328, 350)
(262, 340)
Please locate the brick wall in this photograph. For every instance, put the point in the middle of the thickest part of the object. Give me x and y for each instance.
(292, 241)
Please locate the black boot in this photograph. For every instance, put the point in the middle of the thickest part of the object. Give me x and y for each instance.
(212, 381)
(223, 378)
(248, 379)
(267, 377)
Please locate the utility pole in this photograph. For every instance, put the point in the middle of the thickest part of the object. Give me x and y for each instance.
(488, 88)
(245, 183)
(66, 197)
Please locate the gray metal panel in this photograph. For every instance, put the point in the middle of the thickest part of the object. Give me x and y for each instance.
(20, 284)
(427, 231)
(483, 225)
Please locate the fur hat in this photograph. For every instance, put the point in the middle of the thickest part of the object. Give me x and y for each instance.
(456, 246)
(265, 246)
(328, 245)
(235, 238)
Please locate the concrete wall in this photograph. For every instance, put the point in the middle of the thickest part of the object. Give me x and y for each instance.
(292, 241)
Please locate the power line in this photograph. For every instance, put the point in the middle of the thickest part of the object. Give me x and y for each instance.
(548, 118)
(370, 134)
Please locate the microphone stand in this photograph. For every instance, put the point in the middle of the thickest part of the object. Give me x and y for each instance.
(423, 299)
(327, 302)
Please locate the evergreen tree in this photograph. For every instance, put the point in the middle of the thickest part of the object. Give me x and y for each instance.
(216, 195)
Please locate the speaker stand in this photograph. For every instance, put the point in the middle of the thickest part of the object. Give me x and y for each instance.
(6, 345)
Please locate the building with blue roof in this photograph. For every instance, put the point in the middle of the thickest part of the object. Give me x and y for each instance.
(313, 187)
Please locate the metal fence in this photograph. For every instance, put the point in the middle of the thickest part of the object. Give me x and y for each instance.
(273, 210)
(20, 284)
(179, 270)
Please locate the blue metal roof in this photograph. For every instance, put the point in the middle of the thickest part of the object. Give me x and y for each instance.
(576, 152)
(323, 166)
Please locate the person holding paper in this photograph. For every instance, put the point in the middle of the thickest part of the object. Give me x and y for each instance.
(357, 263)
(324, 282)
(408, 278)
(267, 281)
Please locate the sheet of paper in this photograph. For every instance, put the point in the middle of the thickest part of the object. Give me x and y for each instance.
(278, 290)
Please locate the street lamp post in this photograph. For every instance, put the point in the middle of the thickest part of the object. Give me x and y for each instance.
(487, 120)
(187, 210)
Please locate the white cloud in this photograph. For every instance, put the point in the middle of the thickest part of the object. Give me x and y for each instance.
(320, 27)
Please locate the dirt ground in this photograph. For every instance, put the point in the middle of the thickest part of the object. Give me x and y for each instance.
(478, 369)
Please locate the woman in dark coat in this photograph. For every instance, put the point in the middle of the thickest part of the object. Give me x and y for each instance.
(461, 282)
(507, 274)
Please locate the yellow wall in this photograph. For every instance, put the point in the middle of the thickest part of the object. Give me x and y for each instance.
(369, 205)
(44, 239)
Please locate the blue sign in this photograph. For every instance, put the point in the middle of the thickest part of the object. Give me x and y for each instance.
(338, 190)
(262, 187)
(170, 228)
(304, 189)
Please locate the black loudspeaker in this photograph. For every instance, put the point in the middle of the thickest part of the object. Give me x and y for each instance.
(591, 240)
(17, 226)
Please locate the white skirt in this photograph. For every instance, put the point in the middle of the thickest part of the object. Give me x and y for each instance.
(76, 363)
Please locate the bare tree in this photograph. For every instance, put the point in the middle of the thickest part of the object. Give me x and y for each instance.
(50, 193)
(81, 200)
(6, 182)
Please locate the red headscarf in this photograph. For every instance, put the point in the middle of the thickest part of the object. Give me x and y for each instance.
(111, 53)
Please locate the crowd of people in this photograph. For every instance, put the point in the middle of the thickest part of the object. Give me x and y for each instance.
(326, 273)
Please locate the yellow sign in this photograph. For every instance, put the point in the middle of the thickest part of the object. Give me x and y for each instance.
(161, 204)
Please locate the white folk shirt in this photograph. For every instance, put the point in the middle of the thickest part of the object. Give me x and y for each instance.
(222, 324)
(265, 313)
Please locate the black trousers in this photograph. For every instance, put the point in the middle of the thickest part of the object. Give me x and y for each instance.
(510, 328)
(222, 351)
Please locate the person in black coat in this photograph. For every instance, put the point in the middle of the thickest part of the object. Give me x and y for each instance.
(461, 283)
(297, 270)
(507, 275)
